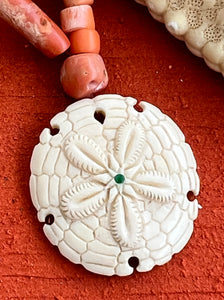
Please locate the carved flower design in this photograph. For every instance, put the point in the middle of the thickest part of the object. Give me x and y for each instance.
(116, 180)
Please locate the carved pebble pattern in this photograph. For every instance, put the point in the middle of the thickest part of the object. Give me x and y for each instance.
(200, 23)
(166, 227)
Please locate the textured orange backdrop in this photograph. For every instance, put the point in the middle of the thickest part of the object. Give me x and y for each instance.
(143, 61)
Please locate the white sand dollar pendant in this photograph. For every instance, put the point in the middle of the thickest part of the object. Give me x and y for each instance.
(112, 185)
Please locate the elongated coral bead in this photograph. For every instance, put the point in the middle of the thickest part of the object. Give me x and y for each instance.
(77, 2)
(85, 41)
(83, 75)
(29, 20)
(77, 17)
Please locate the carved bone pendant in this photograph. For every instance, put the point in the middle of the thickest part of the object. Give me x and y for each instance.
(112, 184)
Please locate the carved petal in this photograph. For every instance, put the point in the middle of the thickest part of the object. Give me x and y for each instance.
(82, 200)
(155, 185)
(130, 140)
(85, 154)
(125, 221)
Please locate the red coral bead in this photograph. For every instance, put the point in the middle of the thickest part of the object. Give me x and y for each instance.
(83, 75)
(28, 19)
(84, 41)
(77, 17)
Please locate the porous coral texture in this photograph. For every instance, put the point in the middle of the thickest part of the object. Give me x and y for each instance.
(200, 23)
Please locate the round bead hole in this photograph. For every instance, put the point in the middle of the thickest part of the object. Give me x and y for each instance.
(133, 262)
(49, 220)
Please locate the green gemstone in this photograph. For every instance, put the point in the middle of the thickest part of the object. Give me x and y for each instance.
(119, 178)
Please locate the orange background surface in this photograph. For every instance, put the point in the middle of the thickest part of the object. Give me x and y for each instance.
(144, 61)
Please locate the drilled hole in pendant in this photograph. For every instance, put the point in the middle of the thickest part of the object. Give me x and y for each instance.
(138, 108)
(191, 196)
(99, 115)
(49, 220)
(133, 262)
(54, 131)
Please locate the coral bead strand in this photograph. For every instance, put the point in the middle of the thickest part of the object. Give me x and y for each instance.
(83, 74)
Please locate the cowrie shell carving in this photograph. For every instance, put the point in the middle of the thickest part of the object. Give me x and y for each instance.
(114, 182)
(200, 23)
